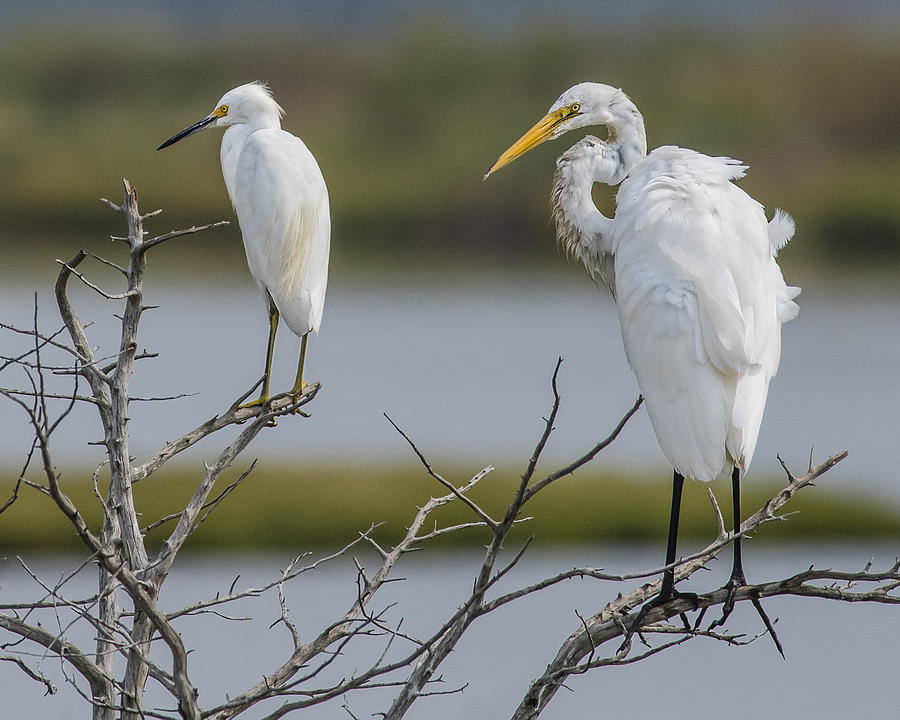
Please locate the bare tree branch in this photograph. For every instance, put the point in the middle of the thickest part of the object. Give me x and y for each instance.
(66, 650)
(100, 291)
(485, 518)
(588, 456)
(125, 617)
(610, 622)
(278, 406)
(33, 674)
(151, 242)
(96, 380)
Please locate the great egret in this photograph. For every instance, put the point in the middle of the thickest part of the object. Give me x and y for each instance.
(281, 201)
(690, 261)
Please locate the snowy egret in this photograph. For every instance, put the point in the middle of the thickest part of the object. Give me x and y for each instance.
(281, 201)
(690, 261)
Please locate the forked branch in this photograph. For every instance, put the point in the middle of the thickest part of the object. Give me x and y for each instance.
(131, 573)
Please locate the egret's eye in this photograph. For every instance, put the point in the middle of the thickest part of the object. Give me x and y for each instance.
(222, 111)
(575, 107)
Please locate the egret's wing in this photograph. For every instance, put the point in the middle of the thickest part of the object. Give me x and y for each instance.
(698, 290)
(282, 205)
(683, 394)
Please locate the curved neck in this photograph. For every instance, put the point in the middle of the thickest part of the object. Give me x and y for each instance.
(627, 140)
(581, 229)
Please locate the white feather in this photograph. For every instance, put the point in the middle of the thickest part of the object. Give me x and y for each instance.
(691, 261)
(698, 289)
(281, 201)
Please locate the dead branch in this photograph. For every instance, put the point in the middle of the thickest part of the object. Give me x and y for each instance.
(33, 674)
(346, 627)
(73, 655)
(280, 405)
(611, 621)
(126, 619)
(487, 575)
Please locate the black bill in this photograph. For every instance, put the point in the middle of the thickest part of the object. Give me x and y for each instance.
(189, 131)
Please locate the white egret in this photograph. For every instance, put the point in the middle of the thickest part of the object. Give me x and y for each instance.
(281, 201)
(690, 260)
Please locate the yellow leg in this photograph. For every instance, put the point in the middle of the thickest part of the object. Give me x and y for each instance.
(273, 328)
(299, 385)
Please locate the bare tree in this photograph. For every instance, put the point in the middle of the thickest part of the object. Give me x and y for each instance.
(128, 622)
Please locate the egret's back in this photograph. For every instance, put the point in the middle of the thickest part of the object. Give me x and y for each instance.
(281, 201)
(701, 301)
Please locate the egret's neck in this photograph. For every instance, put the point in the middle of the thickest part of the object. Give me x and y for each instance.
(233, 143)
(581, 229)
(258, 121)
(627, 141)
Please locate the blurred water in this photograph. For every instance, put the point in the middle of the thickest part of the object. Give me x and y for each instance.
(465, 370)
(841, 658)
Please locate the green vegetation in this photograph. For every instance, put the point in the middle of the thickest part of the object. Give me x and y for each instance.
(299, 508)
(404, 127)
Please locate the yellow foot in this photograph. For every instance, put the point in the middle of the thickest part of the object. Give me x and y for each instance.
(261, 400)
(296, 394)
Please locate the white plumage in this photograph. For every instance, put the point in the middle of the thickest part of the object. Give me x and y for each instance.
(281, 201)
(690, 260)
(700, 301)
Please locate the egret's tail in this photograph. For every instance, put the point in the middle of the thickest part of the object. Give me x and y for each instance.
(781, 229)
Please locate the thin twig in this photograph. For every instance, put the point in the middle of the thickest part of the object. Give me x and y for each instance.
(485, 518)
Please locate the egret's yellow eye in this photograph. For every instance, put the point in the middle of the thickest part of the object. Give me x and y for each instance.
(575, 107)
(222, 110)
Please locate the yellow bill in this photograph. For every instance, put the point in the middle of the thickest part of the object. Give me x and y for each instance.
(534, 137)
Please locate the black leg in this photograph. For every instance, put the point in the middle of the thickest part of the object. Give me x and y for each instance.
(668, 583)
(737, 578)
(667, 591)
(737, 569)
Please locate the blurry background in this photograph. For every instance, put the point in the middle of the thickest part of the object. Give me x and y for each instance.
(448, 302)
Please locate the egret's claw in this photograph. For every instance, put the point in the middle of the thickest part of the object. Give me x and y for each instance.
(261, 400)
(296, 393)
(735, 581)
(660, 599)
(768, 623)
